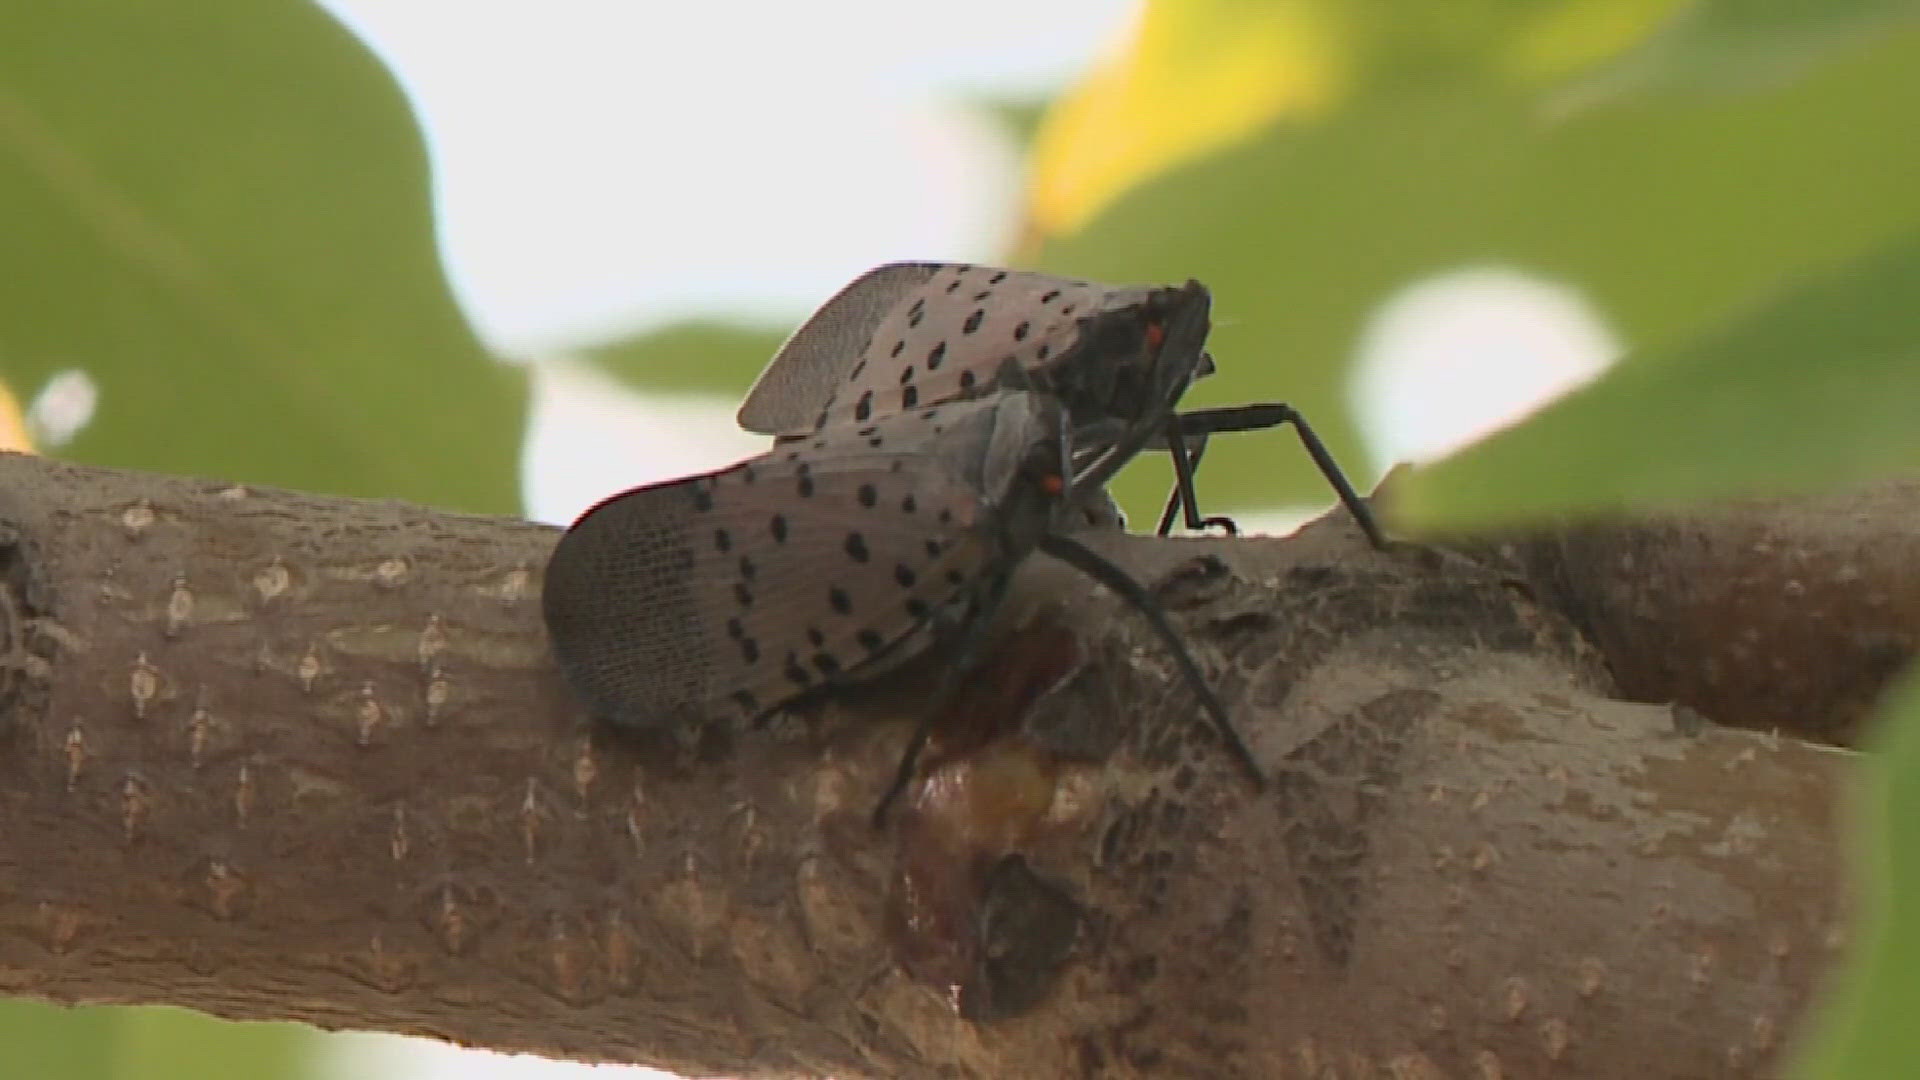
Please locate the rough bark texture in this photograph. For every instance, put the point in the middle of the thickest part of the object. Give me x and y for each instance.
(284, 756)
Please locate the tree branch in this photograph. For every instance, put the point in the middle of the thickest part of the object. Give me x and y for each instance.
(284, 756)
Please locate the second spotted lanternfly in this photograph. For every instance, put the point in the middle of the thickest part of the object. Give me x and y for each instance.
(908, 335)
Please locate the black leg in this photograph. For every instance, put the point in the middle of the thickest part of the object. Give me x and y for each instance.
(966, 642)
(1181, 500)
(1275, 414)
(1090, 563)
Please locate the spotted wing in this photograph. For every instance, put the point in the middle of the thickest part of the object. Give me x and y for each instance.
(951, 338)
(909, 335)
(787, 396)
(745, 587)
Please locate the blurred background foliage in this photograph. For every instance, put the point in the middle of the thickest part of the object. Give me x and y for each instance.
(221, 213)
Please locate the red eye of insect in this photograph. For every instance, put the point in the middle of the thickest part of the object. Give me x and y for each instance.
(1052, 484)
(1156, 335)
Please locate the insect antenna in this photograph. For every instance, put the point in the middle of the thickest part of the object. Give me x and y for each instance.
(1121, 584)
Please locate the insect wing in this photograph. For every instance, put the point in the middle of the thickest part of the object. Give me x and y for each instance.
(951, 339)
(909, 335)
(748, 586)
(811, 364)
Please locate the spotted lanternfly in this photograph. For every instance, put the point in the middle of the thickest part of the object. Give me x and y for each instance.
(822, 562)
(907, 335)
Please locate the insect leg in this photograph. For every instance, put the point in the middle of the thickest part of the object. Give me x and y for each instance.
(1097, 567)
(967, 639)
(1181, 500)
(1275, 414)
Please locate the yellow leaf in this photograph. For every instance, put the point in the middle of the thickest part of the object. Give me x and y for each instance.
(1193, 77)
(13, 423)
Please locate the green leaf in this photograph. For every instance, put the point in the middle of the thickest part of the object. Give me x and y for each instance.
(50, 1042)
(1819, 387)
(698, 354)
(1867, 1028)
(57, 1043)
(177, 1044)
(1668, 212)
(1735, 44)
(219, 212)
(1017, 117)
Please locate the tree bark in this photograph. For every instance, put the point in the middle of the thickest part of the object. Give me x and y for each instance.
(283, 756)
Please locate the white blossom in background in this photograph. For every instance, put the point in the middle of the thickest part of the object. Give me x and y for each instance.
(1450, 359)
(62, 407)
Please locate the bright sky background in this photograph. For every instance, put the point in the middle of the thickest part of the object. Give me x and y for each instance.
(607, 165)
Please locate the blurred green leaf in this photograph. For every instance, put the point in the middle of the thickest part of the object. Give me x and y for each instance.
(49, 1042)
(699, 354)
(1197, 76)
(1669, 212)
(1819, 387)
(219, 211)
(1868, 1029)
(1018, 118)
(1737, 44)
(56, 1043)
(176, 1044)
